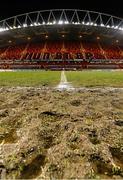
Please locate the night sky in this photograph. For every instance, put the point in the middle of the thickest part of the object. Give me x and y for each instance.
(14, 7)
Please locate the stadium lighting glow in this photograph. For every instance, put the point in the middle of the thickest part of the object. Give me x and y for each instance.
(35, 24)
(60, 22)
(29, 38)
(108, 26)
(76, 23)
(54, 22)
(98, 38)
(7, 28)
(10, 28)
(46, 36)
(24, 25)
(10, 41)
(87, 23)
(1, 29)
(19, 26)
(95, 24)
(120, 28)
(14, 27)
(66, 22)
(4, 29)
(50, 23)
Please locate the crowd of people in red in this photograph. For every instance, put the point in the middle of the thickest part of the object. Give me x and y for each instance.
(61, 50)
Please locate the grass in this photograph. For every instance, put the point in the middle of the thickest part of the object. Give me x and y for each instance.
(96, 78)
(52, 78)
(29, 78)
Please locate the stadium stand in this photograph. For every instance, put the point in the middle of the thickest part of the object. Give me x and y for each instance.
(81, 53)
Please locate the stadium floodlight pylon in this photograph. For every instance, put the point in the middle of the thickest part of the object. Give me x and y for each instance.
(61, 17)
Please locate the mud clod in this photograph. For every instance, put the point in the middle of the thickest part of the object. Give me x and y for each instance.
(119, 122)
(50, 134)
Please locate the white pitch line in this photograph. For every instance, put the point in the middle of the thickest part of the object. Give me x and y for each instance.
(64, 84)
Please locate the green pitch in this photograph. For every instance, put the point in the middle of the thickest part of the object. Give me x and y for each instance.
(52, 78)
(96, 78)
(29, 78)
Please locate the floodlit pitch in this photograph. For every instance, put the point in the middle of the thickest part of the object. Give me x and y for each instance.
(52, 78)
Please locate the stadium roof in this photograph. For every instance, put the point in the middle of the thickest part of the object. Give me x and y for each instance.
(57, 23)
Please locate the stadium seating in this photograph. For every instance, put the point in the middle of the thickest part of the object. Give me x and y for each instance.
(61, 52)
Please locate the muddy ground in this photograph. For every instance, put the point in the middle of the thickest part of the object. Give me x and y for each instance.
(48, 134)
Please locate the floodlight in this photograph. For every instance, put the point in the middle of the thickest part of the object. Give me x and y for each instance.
(60, 22)
(66, 22)
(102, 25)
(24, 25)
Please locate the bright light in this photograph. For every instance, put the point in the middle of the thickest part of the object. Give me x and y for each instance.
(108, 26)
(98, 37)
(66, 22)
(35, 24)
(7, 28)
(102, 25)
(43, 23)
(46, 36)
(116, 27)
(10, 27)
(54, 22)
(87, 23)
(60, 22)
(49, 23)
(29, 38)
(10, 41)
(2, 29)
(120, 28)
(76, 23)
(14, 27)
(24, 25)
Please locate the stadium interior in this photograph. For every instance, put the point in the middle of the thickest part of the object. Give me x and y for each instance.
(59, 54)
(66, 44)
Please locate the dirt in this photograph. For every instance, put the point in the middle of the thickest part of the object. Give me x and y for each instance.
(51, 134)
